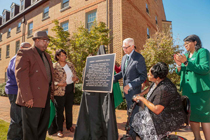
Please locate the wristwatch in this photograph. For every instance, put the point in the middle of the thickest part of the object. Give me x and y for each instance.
(185, 63)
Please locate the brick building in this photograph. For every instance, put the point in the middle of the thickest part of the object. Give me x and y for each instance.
(138, 19)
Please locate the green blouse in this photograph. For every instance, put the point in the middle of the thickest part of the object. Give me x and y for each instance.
(195, 77)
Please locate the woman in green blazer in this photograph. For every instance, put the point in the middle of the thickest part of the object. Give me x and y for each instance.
(194, 69)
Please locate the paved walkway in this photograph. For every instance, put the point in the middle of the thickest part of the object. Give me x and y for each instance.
(120, 114)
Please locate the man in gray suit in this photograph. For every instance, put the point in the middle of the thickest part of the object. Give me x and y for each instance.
(133, 72)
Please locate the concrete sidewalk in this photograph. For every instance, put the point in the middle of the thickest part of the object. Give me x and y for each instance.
(120, 114)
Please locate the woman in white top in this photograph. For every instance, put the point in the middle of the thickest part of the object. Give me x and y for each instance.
(65, 77)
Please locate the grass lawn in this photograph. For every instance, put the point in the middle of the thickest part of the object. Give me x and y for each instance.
(4, 128)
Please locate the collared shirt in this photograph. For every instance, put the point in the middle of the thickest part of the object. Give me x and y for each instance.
(40, 52)
(11, 85)
(130, 55)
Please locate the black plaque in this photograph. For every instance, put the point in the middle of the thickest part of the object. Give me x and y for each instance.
(99, 73)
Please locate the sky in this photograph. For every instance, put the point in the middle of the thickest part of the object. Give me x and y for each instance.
(187, 16)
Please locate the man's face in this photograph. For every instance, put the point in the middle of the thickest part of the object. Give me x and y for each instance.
(42, 44)
(127, 48)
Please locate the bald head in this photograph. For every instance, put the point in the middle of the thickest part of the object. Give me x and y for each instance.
(25, 45)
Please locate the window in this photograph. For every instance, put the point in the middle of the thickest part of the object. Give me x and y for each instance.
(7, 51)
(65, 3)
(65, 25)
(91, 16)
(21, 5)
(0, 36)
(148, 33)
(33, 1)
(9, 32)
(156, 21)
(17, 46)
(0, 53)
(12, 11)
(30, 28)
(4, 18)
(6, 78)
(147, 8)
(46, 12)
(18, 27)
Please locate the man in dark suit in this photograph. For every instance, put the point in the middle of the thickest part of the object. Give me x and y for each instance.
(133, 72)
(34, 76)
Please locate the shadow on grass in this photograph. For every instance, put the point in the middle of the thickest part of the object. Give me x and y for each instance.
(4, 128)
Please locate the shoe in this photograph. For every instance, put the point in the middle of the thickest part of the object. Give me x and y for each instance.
(60, 134)
(71, 129)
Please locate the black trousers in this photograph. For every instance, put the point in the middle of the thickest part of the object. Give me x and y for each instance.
(66, 102)
(15, 131)
(36, 121)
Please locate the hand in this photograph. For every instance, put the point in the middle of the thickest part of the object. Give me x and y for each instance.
(181, 58)
(29, 103)
(126, 88)
(137, 98)
(175, 59)
(52, 97)
(75, 78)
(62, 84)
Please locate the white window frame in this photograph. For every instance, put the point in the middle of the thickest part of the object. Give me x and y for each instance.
(92, 21)
(19, 28)
(62, 4)
(46, 12)
(4, 18)
(148, 32)
(30, 31)
(17, 47)
(65, 23)
(22, 6)
(12, 12)
(9, 32)
(7, 51)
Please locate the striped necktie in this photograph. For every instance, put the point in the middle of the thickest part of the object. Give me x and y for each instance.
(126, 62)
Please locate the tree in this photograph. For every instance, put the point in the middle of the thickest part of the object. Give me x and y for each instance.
(160, 48)
(81, 44)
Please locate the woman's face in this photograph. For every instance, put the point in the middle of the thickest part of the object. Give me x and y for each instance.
(151, 77)
(189, 45)
(62, 57)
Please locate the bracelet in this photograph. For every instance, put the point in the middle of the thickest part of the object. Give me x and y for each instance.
(178, 66)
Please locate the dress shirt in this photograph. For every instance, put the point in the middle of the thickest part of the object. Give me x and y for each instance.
(129, 55)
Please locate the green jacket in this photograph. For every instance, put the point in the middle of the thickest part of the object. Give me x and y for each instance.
(196, 76)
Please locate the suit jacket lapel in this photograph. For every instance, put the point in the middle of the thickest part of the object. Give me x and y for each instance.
(130, 62)
(40, 62)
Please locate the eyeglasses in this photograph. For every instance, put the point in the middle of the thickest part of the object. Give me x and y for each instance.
(126, 47)
(45, 40)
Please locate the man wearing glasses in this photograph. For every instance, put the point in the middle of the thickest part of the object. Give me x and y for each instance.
(34, 76)
(134, 73)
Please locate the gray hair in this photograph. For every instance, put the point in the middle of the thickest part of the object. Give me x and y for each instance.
(130, 41)
(23, 44)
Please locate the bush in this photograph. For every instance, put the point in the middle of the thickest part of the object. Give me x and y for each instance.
(78, 93)
(2, 89)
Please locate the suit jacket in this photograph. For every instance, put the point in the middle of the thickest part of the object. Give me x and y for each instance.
(196, 76)
(135, 74)
(31, 77)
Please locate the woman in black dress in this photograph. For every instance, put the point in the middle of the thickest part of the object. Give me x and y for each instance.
(163, 112)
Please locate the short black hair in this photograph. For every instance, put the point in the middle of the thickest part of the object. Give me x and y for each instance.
(58, 53)
(193, 38)
(159, 70)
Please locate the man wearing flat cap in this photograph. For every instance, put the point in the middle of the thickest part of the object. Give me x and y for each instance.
(34, 76)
